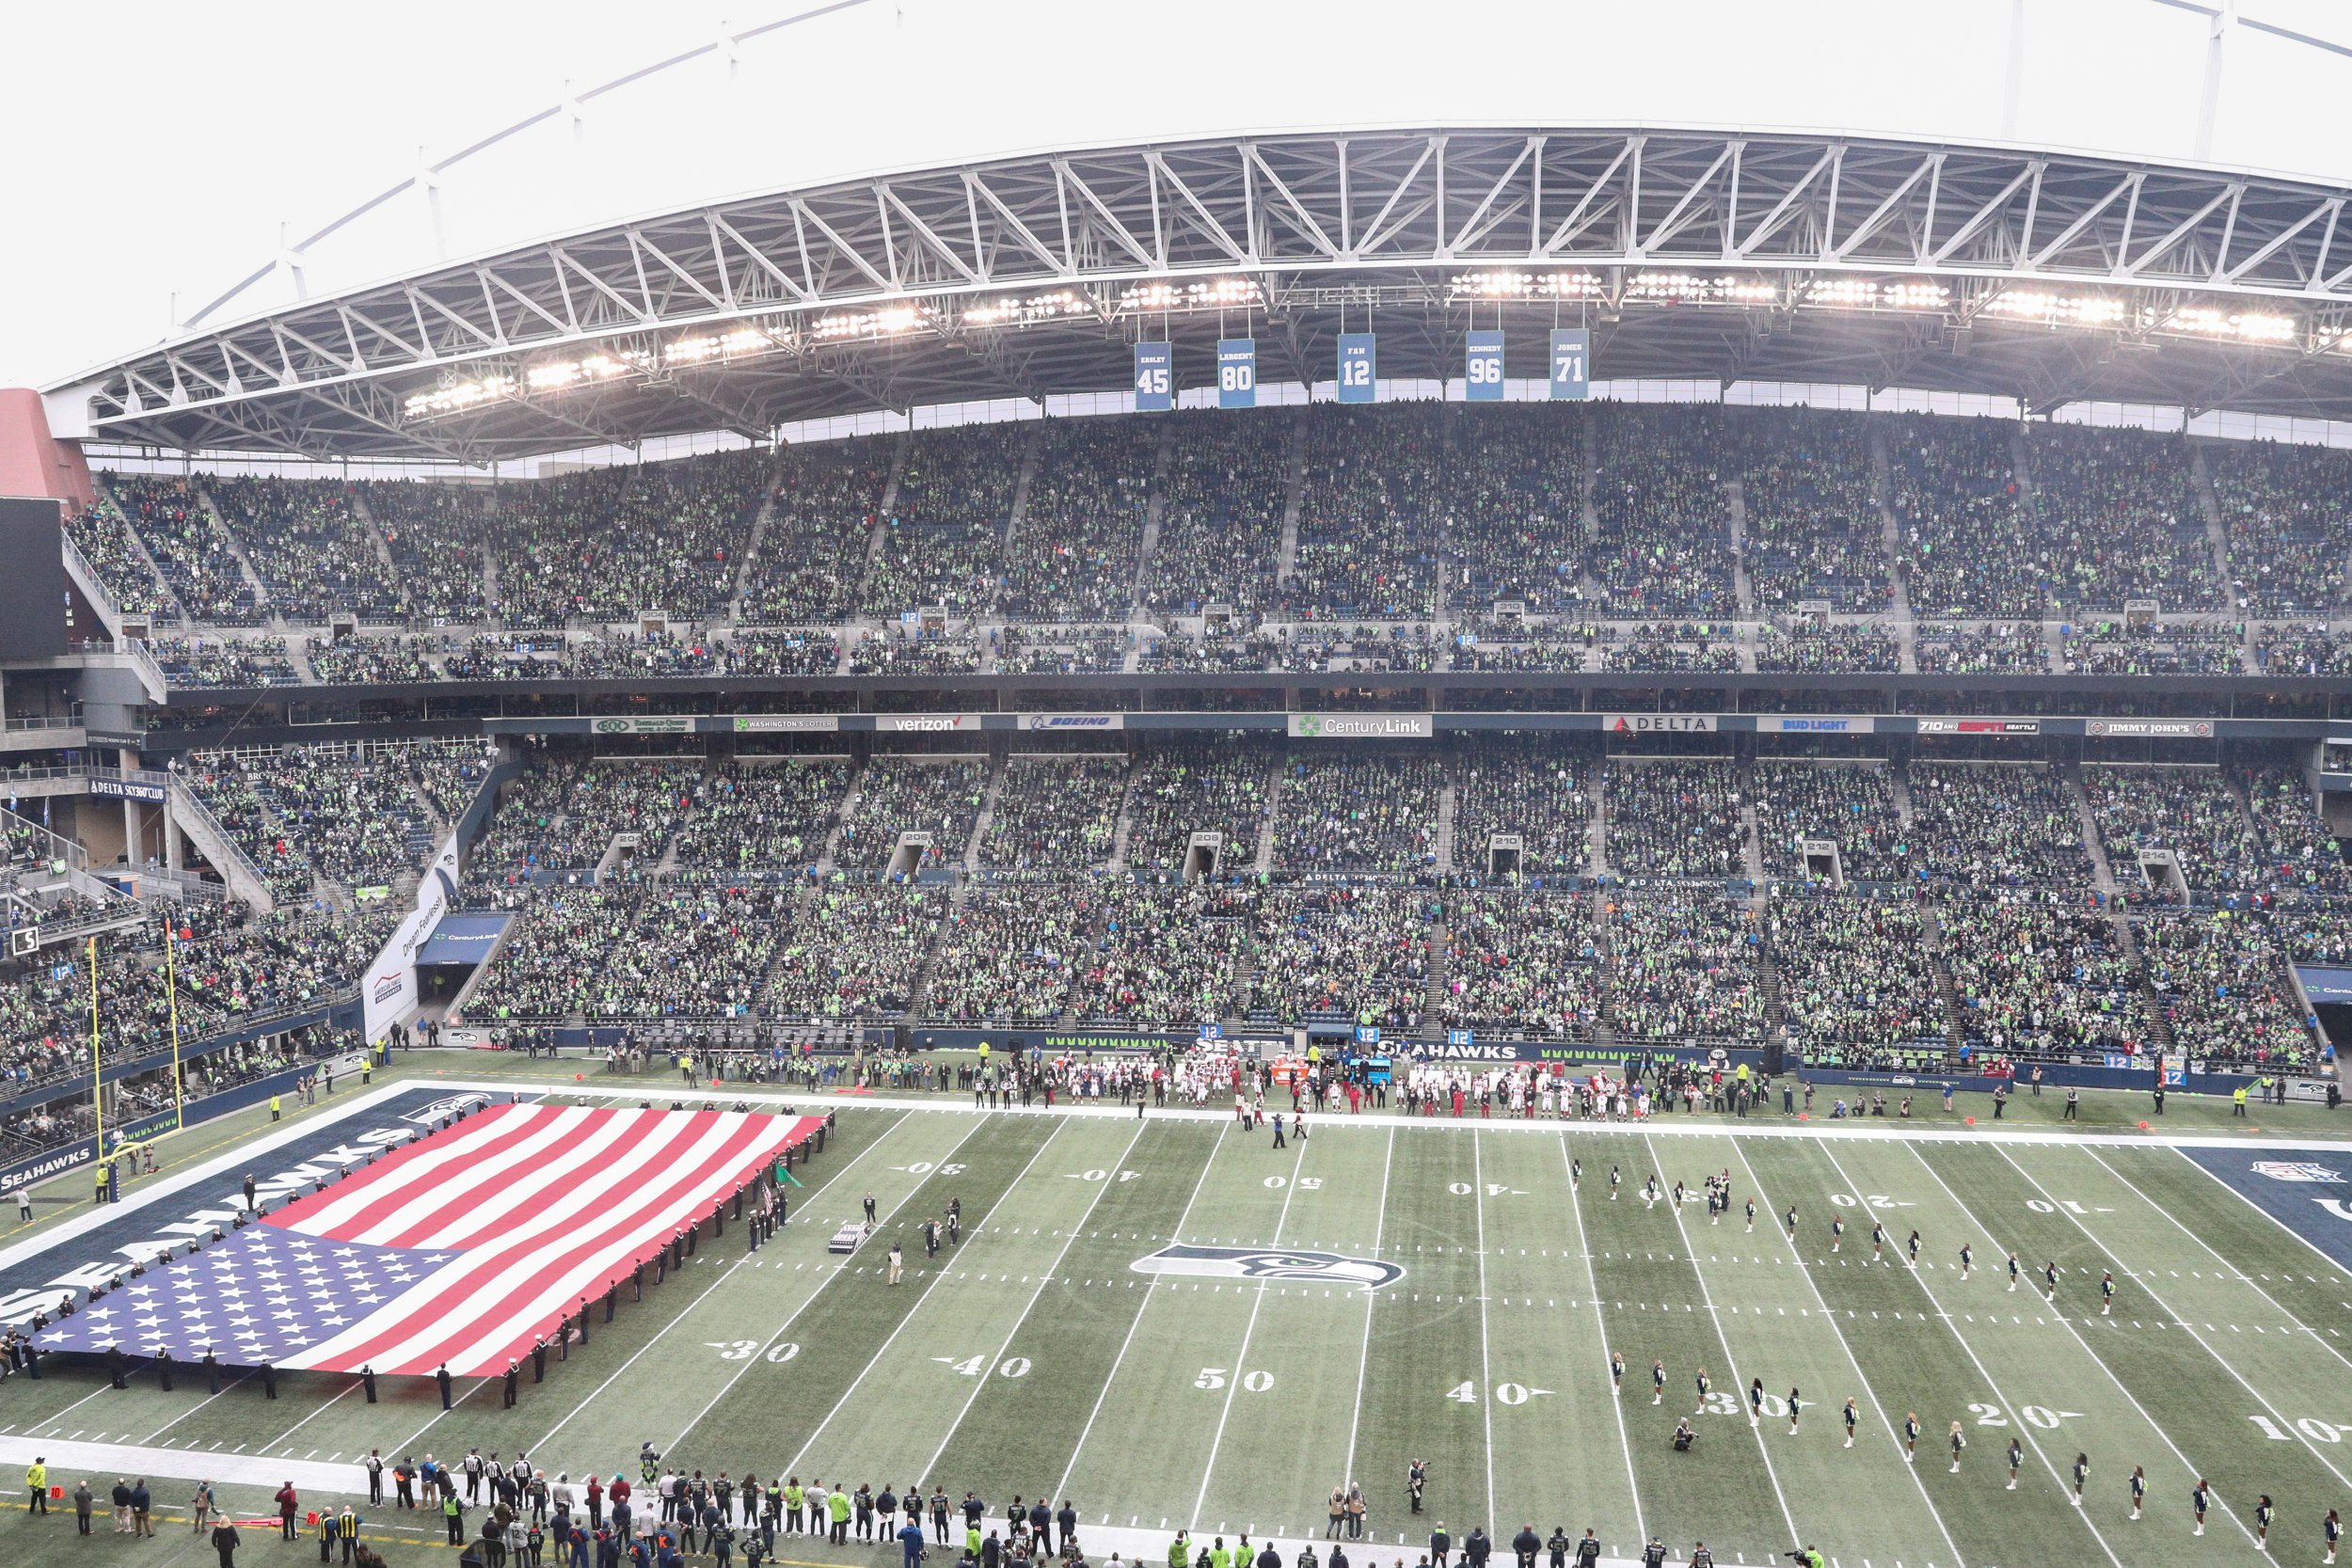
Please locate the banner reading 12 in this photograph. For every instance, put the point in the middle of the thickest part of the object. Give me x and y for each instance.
(1571, 362)
(1237, 373)
(1155, 380)
(1359, 362)
(1482, 367)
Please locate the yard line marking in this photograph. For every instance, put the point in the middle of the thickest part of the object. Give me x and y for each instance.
(931, 1466)
(1851, 1360)
(2192, 1333)
(1600, 1322)
(920, 1298)
(1938, 1176)
(1485, 1367)
(1241, 1363)
(306, 1420)
(1363, 1355)
(1754, 1431)
(1104, 1393)
(878, 1139)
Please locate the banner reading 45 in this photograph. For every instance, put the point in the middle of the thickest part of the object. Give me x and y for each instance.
(1156, 378)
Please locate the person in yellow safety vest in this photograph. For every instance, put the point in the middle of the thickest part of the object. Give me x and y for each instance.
(37, 1482)
(100, 1175)
(984, 1055)
(1314, 1056)
(2237, 1100)
(273, 1107)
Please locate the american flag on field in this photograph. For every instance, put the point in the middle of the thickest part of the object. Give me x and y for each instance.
(462, 1247)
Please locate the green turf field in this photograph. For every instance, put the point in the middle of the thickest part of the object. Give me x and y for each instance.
(1033, 1357)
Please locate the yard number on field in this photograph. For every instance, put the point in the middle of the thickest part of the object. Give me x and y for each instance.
(1012, 1366)
(1875, 1200)
(2042, 1206)
(1213, 1377)
(743, 1350)
(2310, 1426)
(1505, 1393)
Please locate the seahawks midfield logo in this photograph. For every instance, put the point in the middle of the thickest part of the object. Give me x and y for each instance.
(1243, 1263)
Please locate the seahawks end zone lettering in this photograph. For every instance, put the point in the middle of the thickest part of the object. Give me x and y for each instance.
(1240, 1262)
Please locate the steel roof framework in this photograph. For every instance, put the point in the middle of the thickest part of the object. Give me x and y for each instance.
(1693, 253)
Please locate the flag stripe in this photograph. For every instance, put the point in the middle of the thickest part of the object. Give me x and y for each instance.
(356, 1207)
(613, 1189)
(453, 1304)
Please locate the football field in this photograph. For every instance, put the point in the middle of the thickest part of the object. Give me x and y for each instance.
(1172, 1322)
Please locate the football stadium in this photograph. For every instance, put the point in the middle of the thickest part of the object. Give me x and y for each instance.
(1515, 815)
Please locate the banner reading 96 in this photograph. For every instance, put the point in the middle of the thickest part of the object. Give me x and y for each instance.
(1358, 372)
(1237, 373)
(1482, 367)
(1156, 378)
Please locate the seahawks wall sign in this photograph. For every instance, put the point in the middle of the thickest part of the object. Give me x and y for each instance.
(1242, 1263)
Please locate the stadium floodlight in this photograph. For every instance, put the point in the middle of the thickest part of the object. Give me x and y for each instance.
(1213, 294)
(2057, 310)
(2248, 326)
(461, 395)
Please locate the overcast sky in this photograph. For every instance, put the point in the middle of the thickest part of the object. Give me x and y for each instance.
(163, 149)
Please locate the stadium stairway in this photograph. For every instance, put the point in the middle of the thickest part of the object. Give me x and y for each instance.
(1153, 511)
(1890, 547)
(244, 562)
(751, 544)
(375, 536)
(1955, 1012)
(1293, 488)
(1125, 826)
(1736, 530)
(882, 528)
(156, 580)
(2101, 872)
(1446, 797)
(2216, 533)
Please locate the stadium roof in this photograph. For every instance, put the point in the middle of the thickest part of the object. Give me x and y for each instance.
(1710, 254)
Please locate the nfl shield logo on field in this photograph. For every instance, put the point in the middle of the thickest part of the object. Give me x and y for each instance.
(2295, 1170)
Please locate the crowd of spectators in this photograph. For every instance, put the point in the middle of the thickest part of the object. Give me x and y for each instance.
(1674, 819)
(1851, 971)
(373, 660)
(1358, 815)
(812, 556)
(2286, 512)
(1662, 544)
(561, 814)
(1521, 963)
(1990, 825)
(1075, 553)
(604, 544)
(1329, 650)
(1689, 648)
(2041, 972)
(1685, 967)
(2189, 811)
(1222, 505)
(1984, 648)
(1523, 786)
(1226, 651)
(1055, 815)
(1358, 955)
(1064, 650)
(760, 819)
(2177, 648)
(2310, 650)
(902, 795)
(439, 536)
(316, 558)
(943, 542)
(1861, 647)
(1515, 527)
(113, 552)
(200, 662)
(1849, 803)
(194, 556)
(1813, 529)
(1369, 513)
(2120, 519)
(927, 653)
(1007, 954)
(1968, 544)
(1205, 788)
(1497, 647)
(854, 953)
(1167, 957)
(2301, 854)
(2220, 985)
